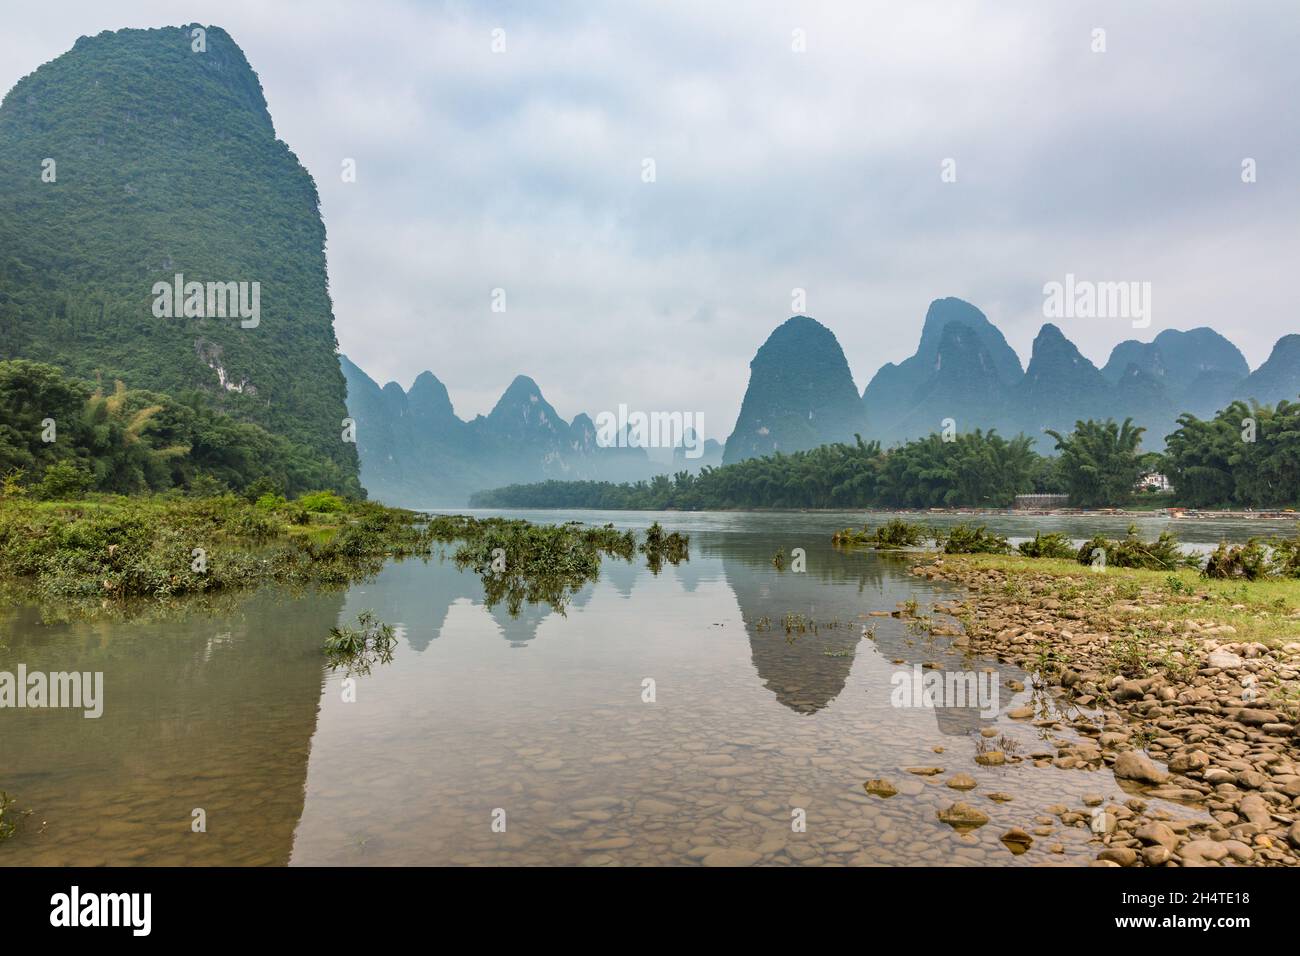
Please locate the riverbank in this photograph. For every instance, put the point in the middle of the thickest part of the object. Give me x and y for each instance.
(115, 555)
(112, 547)
(1169, 513)
(1187, 689)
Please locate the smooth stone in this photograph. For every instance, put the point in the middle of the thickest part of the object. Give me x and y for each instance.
(1017, 840)
(1119, 855)
(963, 816)
(732, 858)
(879, 787)
(1156, 832)
(1135, 765)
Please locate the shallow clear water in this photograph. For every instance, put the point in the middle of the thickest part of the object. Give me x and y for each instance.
(539, 720)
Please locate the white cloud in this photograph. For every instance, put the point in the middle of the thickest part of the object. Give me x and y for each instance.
(775, 169)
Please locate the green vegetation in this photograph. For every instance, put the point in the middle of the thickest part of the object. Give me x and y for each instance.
(974, 469)
(1099, 465)
(60, 438)
(1262, 610)
(1162, 554)
(973, 539)
(1255, 560)
(1246, 455)
(1051, 545)
(1100, 462)
(107, 549)
(113, 547)
(891, 535)
(1258, 559)
(8, 823)
(140, 194)
(1250, 561)
(359, 648)
(521, 562)
(659, 547)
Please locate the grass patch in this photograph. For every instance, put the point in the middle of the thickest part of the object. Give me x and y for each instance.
(1266, 610)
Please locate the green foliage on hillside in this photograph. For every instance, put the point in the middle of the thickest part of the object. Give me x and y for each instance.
(166, 162)
(60, 438)
(1247, 455)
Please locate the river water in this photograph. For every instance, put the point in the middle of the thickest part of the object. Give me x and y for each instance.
(660, 719)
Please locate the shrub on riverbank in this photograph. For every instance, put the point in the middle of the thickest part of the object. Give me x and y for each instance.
(900, 534)
(1249, 561)
(1162, 554)
(973, 539)
(1256, 559)
(1050, 545)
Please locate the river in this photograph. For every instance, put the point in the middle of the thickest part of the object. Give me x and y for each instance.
(660, 719)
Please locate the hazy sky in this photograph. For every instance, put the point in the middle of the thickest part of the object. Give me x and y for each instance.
(775, 169)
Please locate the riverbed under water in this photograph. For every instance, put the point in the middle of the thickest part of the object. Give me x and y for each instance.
(541, 721)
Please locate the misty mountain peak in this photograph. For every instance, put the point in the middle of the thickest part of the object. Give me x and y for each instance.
(429, 396)
(800, 395)
(1279, 377)
(948, 311)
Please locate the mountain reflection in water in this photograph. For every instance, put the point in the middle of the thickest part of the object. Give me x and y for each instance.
(231, 709)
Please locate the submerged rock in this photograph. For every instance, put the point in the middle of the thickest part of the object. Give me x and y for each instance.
(961, 781)
(1017, 840)
(962, 816)
(881, 788)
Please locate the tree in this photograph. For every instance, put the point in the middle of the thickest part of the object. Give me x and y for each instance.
(1247, 455)
(1100, 462)
(135, 440)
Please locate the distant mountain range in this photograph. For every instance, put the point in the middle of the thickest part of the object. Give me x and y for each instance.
(415, 450)
(964, 370)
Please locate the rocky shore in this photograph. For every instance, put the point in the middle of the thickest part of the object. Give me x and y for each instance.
(1159, 689)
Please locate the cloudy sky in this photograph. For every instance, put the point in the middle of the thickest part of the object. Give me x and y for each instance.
(775, 169)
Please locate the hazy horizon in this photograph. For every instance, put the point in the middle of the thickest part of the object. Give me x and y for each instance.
(776, 168)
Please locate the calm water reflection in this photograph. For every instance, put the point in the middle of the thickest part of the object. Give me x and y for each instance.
(540, 716)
